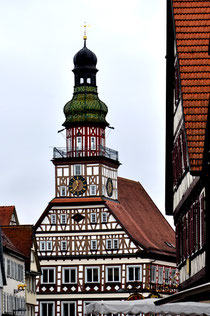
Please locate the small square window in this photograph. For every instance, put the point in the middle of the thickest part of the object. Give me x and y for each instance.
(77, 170)
(108, 244)
(93, 244)
(62, 191)
(92, 189)
(70, 275)
(93, 218)
(92, 275)
(134, 273)
(63, 218)
(63, 245)
(104, 217)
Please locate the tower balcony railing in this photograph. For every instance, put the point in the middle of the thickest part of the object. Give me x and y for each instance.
(62, 152)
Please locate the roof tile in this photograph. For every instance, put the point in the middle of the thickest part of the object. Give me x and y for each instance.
(192, 28)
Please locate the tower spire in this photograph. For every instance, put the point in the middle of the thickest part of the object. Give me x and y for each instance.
(85, 33)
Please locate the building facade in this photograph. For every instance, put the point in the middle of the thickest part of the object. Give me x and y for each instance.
(101, 237)
(187, 136)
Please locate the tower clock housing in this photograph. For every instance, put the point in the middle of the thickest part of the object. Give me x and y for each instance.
(85, 167)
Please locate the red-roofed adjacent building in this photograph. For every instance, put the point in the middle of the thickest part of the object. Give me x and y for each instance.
(187, 135)
(22, 237)
(101, 237)
(8, 215)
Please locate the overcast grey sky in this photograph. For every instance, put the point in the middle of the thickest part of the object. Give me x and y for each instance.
(38, 40)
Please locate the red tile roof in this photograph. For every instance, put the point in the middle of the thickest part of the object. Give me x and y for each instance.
(6, 214)
(192, 28)
(22, 238)
(7, 243)
(141, 218)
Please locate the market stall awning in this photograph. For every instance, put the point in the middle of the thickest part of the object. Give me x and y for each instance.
(147, 306)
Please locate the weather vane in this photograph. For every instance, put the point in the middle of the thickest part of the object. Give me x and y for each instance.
(85, 28)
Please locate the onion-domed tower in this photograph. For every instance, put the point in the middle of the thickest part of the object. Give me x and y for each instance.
(86, 167)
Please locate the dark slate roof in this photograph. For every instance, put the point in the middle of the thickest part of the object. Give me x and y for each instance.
(192, 29)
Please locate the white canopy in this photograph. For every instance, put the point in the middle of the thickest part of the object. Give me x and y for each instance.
(147, 306)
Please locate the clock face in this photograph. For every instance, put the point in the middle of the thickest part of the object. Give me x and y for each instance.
(109, 187)
(77, 185)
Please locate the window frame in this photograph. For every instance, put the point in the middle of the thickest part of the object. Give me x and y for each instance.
(115, 247)
(63, 242)
(92, 268)
(61, 219)
(48, 268)
(134, 267)
(53, 218)
(107, 242)
(68, 302)
(113, 280)
(79, 171)
(53, 308)
(92, 142)
(153, 272)
(42, 245)
(92, 192)
(79, 143)
(62, 190)
(102, 215)
(92, 242)
(160, 275)
(69, 269)
(93, 215)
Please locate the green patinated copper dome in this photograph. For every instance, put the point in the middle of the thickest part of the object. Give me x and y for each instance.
(85, 107)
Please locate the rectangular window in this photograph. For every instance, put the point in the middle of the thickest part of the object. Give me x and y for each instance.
(92, 275)
(93, 143)
(108, 244)
(47, 308)
(69, 143)
(49, 245)
(48, 275)
(53, 219)
(62, 191)
(104, 217)
(63, 218)
(134, 273)
(173, 276)
(93, 218)
(92, 189)
(68, 309)
(42, 245)
(8, 267)
(79, 143)
(160, 275)
(93, 244)
(115, 244)
(167, 276)
(77, 170)
(113, 274)
(63, 245)
(69, 275)
(88, 80)
(153, 274)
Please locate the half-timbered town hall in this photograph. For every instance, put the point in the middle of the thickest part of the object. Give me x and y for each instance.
(101, 237)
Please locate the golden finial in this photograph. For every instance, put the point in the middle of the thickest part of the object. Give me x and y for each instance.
(85, 28)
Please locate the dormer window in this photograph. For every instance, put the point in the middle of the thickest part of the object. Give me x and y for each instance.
(81, 80)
